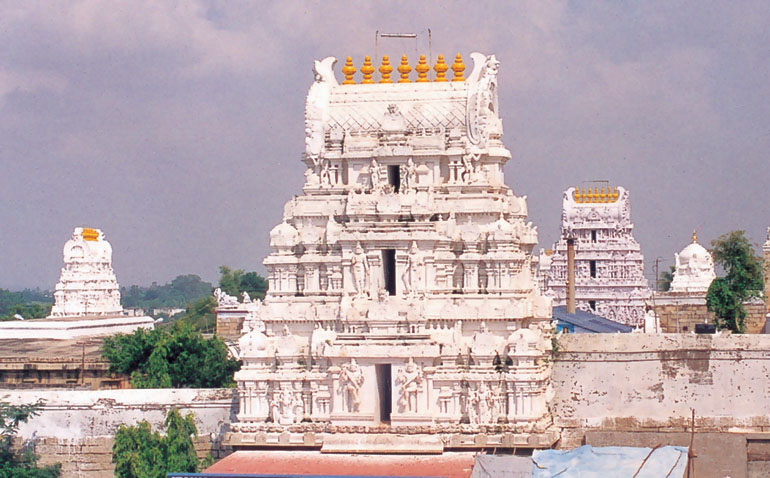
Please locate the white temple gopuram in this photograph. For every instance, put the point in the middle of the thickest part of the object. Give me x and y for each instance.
(609, 265)
(86, 298)
(402, 312)
(87, 285)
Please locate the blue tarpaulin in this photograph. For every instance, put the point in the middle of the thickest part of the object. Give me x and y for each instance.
(614, 461)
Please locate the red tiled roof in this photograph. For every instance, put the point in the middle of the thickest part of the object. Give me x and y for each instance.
(449, 465)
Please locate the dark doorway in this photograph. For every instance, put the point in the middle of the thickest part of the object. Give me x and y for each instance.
(592, 266)
(389, 266)
(394, 177)
(384, 391)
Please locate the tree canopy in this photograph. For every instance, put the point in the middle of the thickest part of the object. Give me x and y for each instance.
(175, 356)
(236, 282)
(742, 279)
(140, 452)
(19, 464)
(666, 278)
(29, 303)
(179, 292)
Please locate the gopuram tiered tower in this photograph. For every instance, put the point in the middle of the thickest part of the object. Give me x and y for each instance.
(402, 311)
(609, 265)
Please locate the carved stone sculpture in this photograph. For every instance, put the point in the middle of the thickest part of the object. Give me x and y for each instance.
(351, 380)
(410, 380)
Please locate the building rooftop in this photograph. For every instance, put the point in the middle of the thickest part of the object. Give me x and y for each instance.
(589, 321)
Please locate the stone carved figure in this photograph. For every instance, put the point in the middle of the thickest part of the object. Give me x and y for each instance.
(360, 268)
(246, 298)
(471, 162)
(408, 176)
(410, 276)
(351, 380)
(410, 378)
(375, 179)
(325, 174)
(224, 299)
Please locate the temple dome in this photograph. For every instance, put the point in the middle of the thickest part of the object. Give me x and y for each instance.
(283, 235)
(694, 269)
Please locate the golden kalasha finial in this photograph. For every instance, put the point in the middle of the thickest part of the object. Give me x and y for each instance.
(440, 69)
(422, 69)
(367, 70)
(591, 195)
(604, 195)
(615, 195)
(694, 237)
(577, 195)
(385, 70)
(458, 67)
(89, 234)
(348, 70)
(404, 69)
(584, 196)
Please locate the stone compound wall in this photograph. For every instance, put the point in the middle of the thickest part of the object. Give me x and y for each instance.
(76, 428)
(638, 389)
(682, 317)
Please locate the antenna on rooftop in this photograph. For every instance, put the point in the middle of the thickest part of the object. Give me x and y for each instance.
(413, 36)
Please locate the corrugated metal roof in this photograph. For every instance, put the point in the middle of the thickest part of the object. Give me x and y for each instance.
(589, 321)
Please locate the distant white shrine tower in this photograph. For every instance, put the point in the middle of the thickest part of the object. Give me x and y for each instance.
(609, 265)
(402, 312)
(87, 285)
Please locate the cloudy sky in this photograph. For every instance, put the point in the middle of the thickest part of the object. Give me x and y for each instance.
(176, 127)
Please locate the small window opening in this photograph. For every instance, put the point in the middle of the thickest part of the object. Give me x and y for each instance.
(593, 236)
(389, 263)
(394, 177)
(592, 265)
(592, 305)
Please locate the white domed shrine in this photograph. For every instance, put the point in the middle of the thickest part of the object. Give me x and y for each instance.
(402, 299)
(694, 269)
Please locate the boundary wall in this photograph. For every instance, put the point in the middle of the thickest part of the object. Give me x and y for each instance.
(77, 427)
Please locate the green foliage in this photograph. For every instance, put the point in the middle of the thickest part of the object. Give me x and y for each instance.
(666, 278)
(139, 452)
(29, 303)
(200, 315)
(236, 282)
(742, 280)
(180, 291)
(19, 465)
(166, 357)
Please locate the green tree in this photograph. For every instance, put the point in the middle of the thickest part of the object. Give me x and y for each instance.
(175, 356)
(182, 290)
(139, 452)
(742, 279)
(236, 282)
(19, 465)
(666, 278)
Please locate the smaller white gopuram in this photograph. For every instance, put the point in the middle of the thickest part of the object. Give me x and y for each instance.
(694, 269)
(86, 298)
(87, 285)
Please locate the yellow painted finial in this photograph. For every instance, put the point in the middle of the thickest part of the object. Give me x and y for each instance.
(615, 195)
(385, 70)
(458, 67)
(604, 195)
(694, 237)
(577, 195)
(89, 234)
(440, 69)
(367, 69)
(404, 69)
(348, 70)
(422, 69)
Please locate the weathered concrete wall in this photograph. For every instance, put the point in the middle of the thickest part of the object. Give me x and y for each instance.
(76, 428)
(638, 389)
